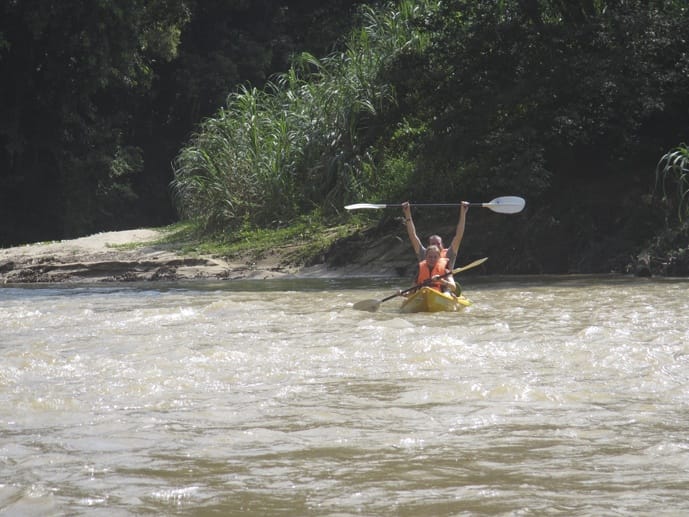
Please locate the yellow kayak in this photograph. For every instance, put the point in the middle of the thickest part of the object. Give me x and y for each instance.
(430, 300)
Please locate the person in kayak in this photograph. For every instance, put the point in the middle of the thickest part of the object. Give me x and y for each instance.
(435, 240)
(432, 269)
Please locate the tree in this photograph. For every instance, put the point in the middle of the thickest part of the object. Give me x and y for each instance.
(569, 104)
(97, 97)
(66, 70)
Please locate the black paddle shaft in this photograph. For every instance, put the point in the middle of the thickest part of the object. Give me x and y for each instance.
(415, 287)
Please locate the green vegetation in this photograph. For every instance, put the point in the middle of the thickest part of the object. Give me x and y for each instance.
(302, 242)
(96, 99)
(672, 174)
(572, 105)
(565, 104)
(305, 142)
(71, 76)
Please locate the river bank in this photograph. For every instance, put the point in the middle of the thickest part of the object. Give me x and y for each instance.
(152, 254)
(143, 255)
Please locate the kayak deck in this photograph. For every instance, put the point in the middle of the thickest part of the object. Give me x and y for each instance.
(430, 300)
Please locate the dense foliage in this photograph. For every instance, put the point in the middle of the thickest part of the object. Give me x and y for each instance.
(302, 106)
(569, 104)
(67, 69)
(303, 143)
(97, 97)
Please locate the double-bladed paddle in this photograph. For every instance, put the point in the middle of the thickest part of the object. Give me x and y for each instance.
(501, 205)
(373, 305)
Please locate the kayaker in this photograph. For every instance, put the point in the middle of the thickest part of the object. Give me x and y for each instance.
(435, 240)
(432, 269)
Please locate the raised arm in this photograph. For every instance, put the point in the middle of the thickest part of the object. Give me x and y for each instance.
(459, 234)
(411, 231)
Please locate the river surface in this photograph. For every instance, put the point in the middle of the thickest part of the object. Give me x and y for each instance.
(549, 396)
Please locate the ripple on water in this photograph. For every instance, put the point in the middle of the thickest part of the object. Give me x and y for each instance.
(545, 397)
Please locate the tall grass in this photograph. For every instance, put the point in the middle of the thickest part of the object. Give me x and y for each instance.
(672, 178)
(303, 142)
(238, 165)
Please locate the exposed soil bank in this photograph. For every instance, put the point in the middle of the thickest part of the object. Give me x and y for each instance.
(383, 251)
(139, 255)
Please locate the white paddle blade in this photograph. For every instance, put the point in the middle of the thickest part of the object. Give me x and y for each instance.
(506, 204)
(359, 206)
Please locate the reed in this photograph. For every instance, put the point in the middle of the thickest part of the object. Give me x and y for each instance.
(672, 178)
(303, 142)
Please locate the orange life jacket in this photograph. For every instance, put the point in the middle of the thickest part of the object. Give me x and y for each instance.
(425, 273)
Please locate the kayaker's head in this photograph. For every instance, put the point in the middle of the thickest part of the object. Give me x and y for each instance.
(432, 255)
(436, 240)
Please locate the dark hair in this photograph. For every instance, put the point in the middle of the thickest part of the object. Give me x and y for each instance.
(434, 236)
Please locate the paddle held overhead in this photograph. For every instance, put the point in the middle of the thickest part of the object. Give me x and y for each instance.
(501, 205)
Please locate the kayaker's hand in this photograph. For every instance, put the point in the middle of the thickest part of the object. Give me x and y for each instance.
(406, 210)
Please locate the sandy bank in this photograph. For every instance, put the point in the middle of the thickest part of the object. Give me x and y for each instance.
(139, 255)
